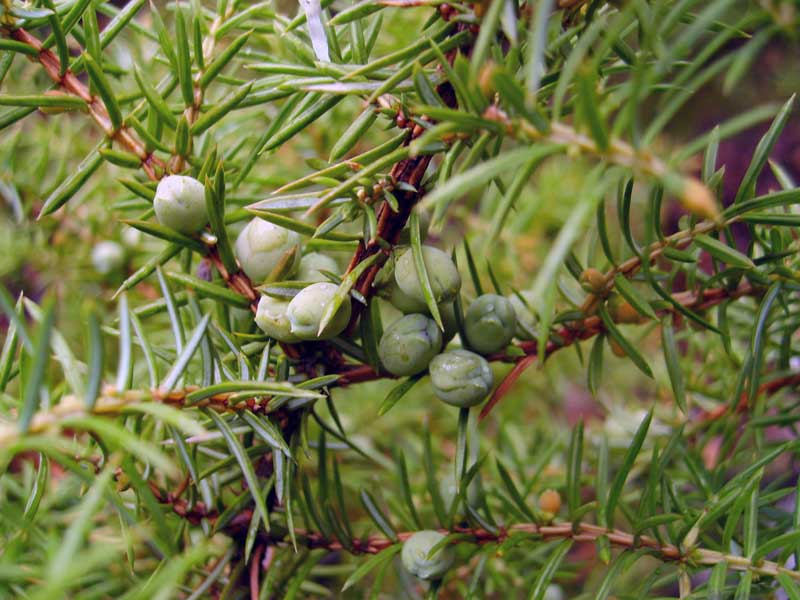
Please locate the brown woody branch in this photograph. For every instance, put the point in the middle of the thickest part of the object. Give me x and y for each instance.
(591, 326)
(112, 403)
(70, 84)
(410, 172)
(578, 532)
(571, 333)
(768, 388)
(153, 166)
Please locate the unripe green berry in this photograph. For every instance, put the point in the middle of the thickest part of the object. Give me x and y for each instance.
(406, 304)
(447, 311)
(526, 320)
(402, 301)
(443, 275)
(424, 225)
(107, 256)
(553, 592)
(262, 245)
(306, 309)
(490, 323)
(461, 378)
(415, 555)
(130, 237)
(180, 203)
(409, 344)
(312, 264)
(271, 318)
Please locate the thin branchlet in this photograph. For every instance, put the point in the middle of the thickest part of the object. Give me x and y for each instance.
(470, 103)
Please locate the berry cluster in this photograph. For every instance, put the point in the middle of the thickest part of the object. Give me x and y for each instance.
(412, 344)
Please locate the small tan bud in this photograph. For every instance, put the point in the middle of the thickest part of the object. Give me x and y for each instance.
(593, 281)
(618, 350)
(123, 482)
(622, 311)
(550, 502)
(699, 200)
(485, 77)
(480, 8)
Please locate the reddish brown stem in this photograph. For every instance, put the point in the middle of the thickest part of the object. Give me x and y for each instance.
(409, 171)
(69, 83)
(580, 532)
(591, 326)
(768, 388)
(255, 570)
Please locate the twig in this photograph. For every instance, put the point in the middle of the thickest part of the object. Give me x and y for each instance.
(579, 532)
(255, 569)
(153, 166)
(194, 513)
(591, 326)
(409, 171)
(74, 86)
(112, 403)
(768, 388)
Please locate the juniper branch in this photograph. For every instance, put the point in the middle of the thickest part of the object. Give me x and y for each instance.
(410, 172)
(70, 84)
(579, 532)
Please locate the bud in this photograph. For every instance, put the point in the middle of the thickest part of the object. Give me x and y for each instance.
(698, 199)
(180, 204)
(618, 350)
(593, 281)
(480, 8)
(622, 311)
(550, 502)
(486, 78)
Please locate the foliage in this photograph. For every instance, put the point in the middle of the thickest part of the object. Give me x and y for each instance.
(155, 443)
